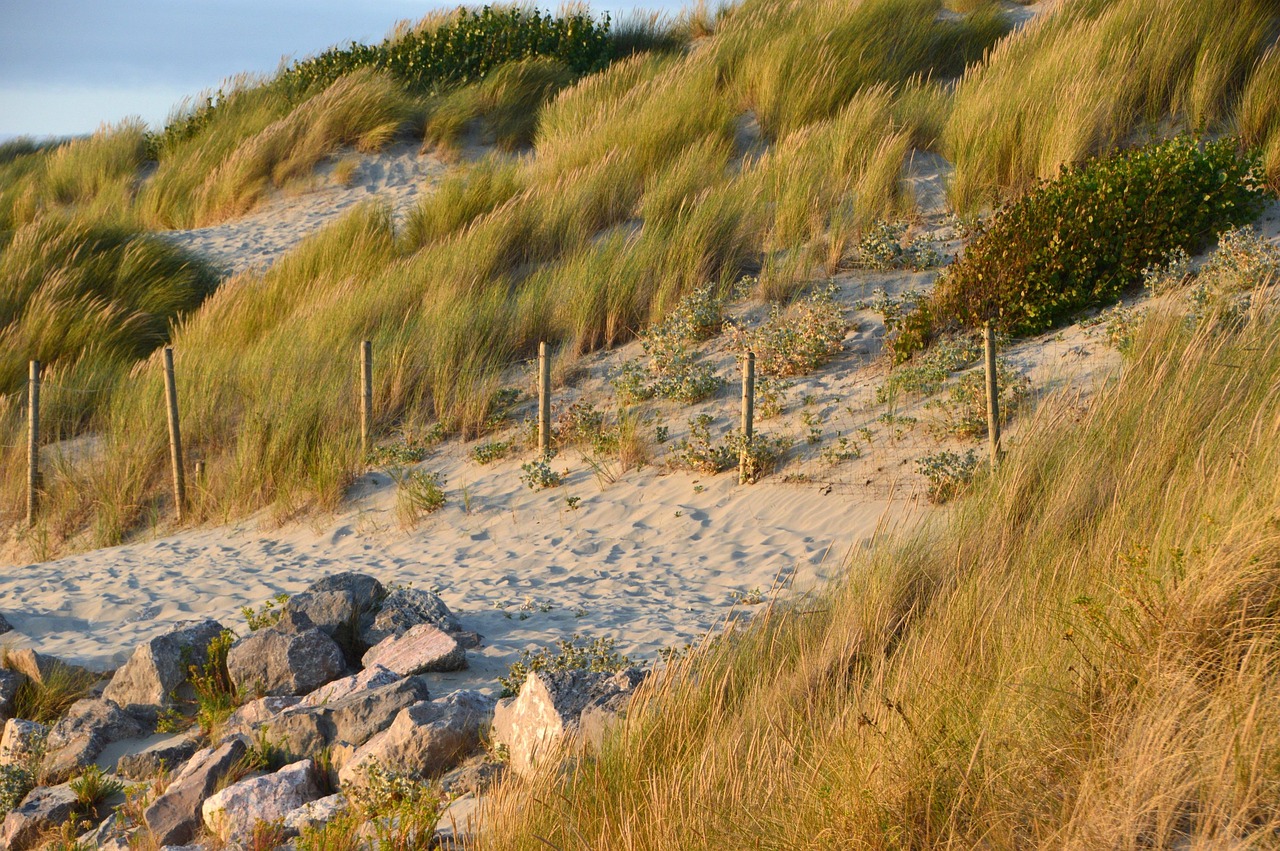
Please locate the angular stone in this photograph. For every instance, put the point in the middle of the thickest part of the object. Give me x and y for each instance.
(247, 718)
(427, 738)
(369, 678)
(355, 718)
(546, 713)
(21, 741)
(474, 776)
(165, 755)
(5, 626)
(403, 609)
(39, 667)
(10, 682)
(275, 662)
(421, 649)
(175, 816)
(315, 814)
(233, 812)
(77, 739)
(366, 590)
(157, 674)
(46, 807)
(459, 824)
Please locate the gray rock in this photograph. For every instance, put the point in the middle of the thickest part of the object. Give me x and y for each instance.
(157, 674)
(427, 738)
(421, 649)
(403, 609)
(252, 715)
(165, 755)
(77, 739)
(21, 741)
(315, 814)
(369, 678)
(354, 719)
(40, 667)
(459, 824)
(232, 813)
(366, 590)
(5, 626)
(46, 807)
(113, 832)
(474, 776)
(275, 662)
(10, 682)
(175, 816)
(545, 716)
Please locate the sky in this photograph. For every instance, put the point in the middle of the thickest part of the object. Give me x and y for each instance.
(67, 66)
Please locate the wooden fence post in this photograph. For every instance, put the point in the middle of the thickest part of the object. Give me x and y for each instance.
(33, 443)
(366, 396)
(745, 473)
(175, 435)
(544, 401)
(993, 392)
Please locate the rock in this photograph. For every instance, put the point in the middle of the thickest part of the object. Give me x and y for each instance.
(39, 667)
(459, 824)
(21, 741)
(165, 755)
(247, 718)
(403, 609)
(314, 814)
(474, 776)
(276, 662)
(305, 730)
(369, 678)
(5, 626)
(46, 807)
(77, 739)
(421, 649)
(157, 676)
(10, 682)
(232, 813)
(111, 833)
(427, 738)
(175, 816)
(535, 724)
(366, 590)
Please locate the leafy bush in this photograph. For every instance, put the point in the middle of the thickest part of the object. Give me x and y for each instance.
(881, 248)
(674, 370)
(490, 451)
(928, 371)
(571, 654)
(799, 339)
(216, 696)
(760, 451)
(1081, 239)
(698, 452)
(948, 473)
(93, 786)
(417, 493)
(537, 475)
(268, 614)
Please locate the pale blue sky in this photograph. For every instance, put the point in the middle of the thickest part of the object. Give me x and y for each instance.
(67, 66)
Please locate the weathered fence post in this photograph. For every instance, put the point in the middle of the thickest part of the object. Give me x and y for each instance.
(366, 396)
(544, 401)
(745, 473)
(993, 392)
(33, 443)
(175, 435)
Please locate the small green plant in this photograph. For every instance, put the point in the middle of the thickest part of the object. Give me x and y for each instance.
(928, 371)
(490, 451)
(500, 405)
(761, 453)
(813, 422)
(965, 407)
(569, 654)
(538, 475)
(799, 339)
(843, 448)
(216, 696)
(698, 452)
(397, 455)
(268, 614)
(948, 473)
(48, 699)
(661, 434)
(417, 493)
(573, 502)
(754, 597)
(771, 396)
(881, 248)
(581, 423)
(92, 787)
(674, 370)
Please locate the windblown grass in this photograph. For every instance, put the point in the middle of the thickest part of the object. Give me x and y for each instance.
(1084, 654)
(1092, 74)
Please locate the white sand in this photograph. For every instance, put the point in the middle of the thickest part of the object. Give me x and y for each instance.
(653, 559)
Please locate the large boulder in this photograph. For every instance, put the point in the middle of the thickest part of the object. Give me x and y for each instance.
(459, 824)
(80, 735)
(157, 675)
(252, 715)
(174, 817)
(315, 814)
(39, 667)
(10, 682)
(232, 813)
(421, 649)
(427, 738)
(45, 808)
(353, 717)
(548, 712)
(403, 609)
(286, 659)
(337, 605)
(21, 741)
(164, 755)
(5, 626)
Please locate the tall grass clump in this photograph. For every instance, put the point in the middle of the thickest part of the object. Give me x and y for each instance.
(1082, 655)
(502, 108)
(1091, 75)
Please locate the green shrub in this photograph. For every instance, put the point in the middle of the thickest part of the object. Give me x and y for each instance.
(538, 475)
(698, 452)
(571, 654)
(268, 614)
(949, 473)
(417, 493)
(798, 339)
(490, 451)
(216, 696)
(1084, 237)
